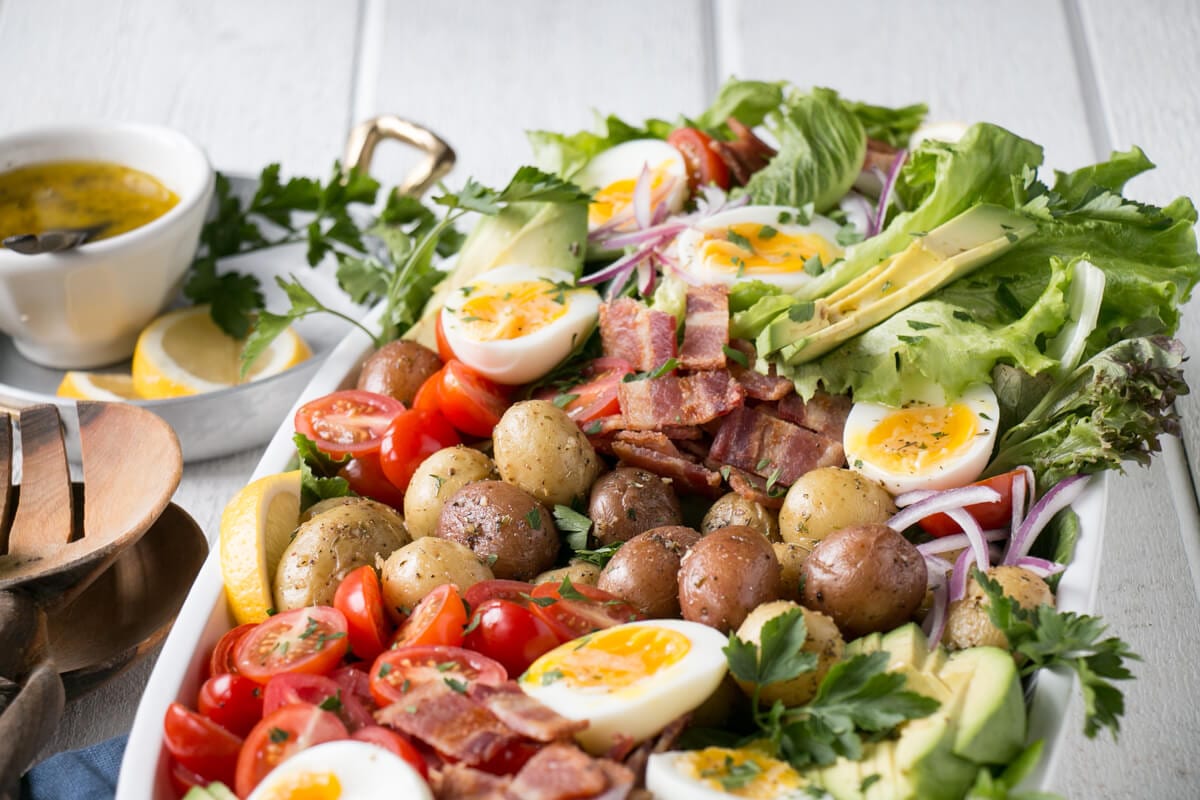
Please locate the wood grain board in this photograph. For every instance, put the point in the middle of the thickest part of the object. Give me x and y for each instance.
(280, 80)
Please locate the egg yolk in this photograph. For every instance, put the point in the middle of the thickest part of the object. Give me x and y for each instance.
(307, 786)
(911, 440)
(741, 773)
(613, 659)
(618, 195)
(749, 248)
(497, 312)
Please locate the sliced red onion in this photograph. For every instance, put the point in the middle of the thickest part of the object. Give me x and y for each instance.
(1039, 566)
(885, 196)
(915, 496)
(646, 276)
(974, 535)
(943, 502)
(1059, 497)
(642, 212)
(958, 541)
(614, 222)
(656, 234)
(935, 570)
(1018, 501)
(625, 263)
(669, 263)
(958, 578)
(935, 620)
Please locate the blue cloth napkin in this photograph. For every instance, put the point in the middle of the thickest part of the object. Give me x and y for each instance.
(88, 774)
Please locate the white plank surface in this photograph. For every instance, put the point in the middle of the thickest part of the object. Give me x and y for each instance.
(279, 80)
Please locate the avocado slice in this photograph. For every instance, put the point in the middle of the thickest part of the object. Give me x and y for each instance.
(864, 645)
(926, 762)
(534, 234)
(907, 645)
(214, 791)
(948, 252)
(989, 706)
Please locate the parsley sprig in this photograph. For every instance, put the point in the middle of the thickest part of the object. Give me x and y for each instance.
(1048, 637)
(857, 696)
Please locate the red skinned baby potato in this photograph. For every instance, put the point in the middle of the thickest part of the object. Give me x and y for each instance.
(504, 526)
(725, 575)
(398, 369)
(866, 577)
(645, 571)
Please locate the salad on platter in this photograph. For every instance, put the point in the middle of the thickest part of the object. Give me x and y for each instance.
(730, 456)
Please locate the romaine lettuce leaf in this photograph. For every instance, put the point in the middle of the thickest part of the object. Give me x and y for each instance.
(747, 101)
(895, 126)
(564, 154)
(821, 149)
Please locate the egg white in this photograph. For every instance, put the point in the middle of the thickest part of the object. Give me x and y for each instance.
(693, 261)
(528, 357)
(677, 774)
(365, 772)
(933, 468)
(644, 707)
(626, 161)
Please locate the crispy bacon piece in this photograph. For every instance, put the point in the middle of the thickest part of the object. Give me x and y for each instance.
(559, 772)
(451, 723)
(653, 451)
(772, 448)
(745, 155)
(824, 413)
(456, 782)
(523, 714)
(757, 385)
(705, 328)
(640, 335)
(752, 487)
(654, 403)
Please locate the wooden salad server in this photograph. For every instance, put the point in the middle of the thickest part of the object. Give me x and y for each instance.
(52, 547)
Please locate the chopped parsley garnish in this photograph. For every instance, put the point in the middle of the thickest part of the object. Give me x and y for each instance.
(739, 240)
(736, 356)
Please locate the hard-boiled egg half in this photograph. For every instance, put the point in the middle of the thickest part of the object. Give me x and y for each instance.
(513, 324)
(340, 771)
(923, 445)
(632, 679)
(766, 243)
(719, 773)
(613, 174)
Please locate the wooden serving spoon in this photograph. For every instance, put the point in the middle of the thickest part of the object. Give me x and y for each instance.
(52, 550)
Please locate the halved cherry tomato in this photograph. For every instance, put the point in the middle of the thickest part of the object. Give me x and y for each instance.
(988, 515)
(360, 597)
(311, 640)
(597, 396)
(578, 610)
(289, 688)
(472, 403)
(182, 778)
(232, 701)
(704, 166)
(478, 593)
(366, 478)
(510, 633)
(222, 659)
(412, 437)
(428, 397)
(395, 672)
(388, 739)
(438, 619)
(200, 745)
(354, 680)
(281, 735)
(349, 422)
(445, 352)
(511, 757)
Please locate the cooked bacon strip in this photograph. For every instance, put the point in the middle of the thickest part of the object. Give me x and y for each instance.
(456, 782)
(523, 714)
(560, 772)
(683, 432)
(653, 403)
(757, 385)
(652, 440)
(746, 154)
(451, 723)
(772, 448)
(640, 335)
(752, 487)
(705, 328)
(824, 413)
(688, 475)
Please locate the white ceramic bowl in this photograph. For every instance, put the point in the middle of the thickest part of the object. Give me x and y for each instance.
(84, 308)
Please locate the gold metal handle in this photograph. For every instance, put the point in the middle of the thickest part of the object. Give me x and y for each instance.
(439, 156)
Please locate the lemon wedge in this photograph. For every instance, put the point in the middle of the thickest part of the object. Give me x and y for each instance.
(184, 352)
(256, 528)
(113, 387)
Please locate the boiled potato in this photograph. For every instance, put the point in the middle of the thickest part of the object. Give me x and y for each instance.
(398, 369)
(733, 509)
(828, 499)
(725, 575)
(645, 570)
(436, 481)
(967, 621)
(331, 544)
(539, 448)
(415, 570)
(823, 638)
(514, 533)
(791, 561)
(628, 501)
(579, 572)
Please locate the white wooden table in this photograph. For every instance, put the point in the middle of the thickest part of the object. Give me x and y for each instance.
(282, 80)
